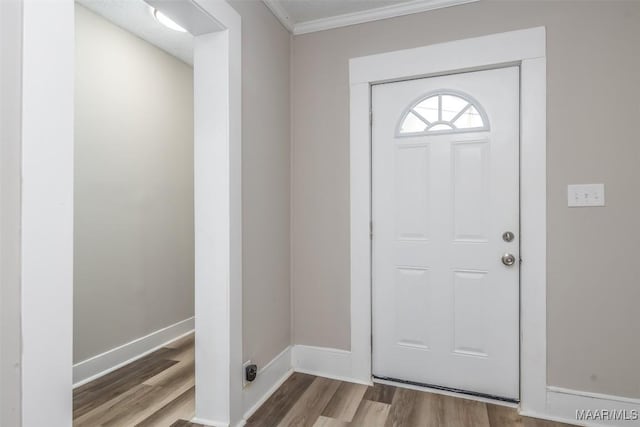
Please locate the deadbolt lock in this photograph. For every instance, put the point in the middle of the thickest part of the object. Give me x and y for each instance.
(508, 236)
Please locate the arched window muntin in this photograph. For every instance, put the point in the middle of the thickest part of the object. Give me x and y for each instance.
(471, 103)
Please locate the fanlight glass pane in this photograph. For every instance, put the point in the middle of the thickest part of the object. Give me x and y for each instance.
(469, 119)
(451, 106)
(428, 109)
(412, 124)
(440, 126)
(444, 112)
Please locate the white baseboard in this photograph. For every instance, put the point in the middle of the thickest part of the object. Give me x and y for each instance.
(563, 403)
(269, 378)
(254, 394)
(325, 362)
(97, 366)
(210, 423)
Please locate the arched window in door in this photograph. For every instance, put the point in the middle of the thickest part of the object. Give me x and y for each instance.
(443, 111)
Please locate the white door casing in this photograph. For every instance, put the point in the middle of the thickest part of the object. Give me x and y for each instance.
(47, 186)
(526, 47)
(445, 307)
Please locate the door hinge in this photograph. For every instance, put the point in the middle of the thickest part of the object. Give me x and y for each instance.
(371, 230)
(370, 118)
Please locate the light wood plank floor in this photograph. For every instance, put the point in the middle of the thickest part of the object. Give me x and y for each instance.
(158, 391)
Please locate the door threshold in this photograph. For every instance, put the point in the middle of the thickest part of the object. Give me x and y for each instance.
(448, 391)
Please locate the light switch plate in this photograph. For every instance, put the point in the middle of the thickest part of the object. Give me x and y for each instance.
(585, 195)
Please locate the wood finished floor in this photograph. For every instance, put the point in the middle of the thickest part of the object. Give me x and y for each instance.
(158, 391)
(306, 400)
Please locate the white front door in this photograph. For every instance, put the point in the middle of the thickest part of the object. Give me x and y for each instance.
(445, 190)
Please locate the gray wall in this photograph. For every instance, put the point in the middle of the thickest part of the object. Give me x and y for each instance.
(133, 236)
(593, 106)
(265, 183)
(10, 160)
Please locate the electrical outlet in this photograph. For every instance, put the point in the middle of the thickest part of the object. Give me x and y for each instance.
(249, 372)
(244, 372)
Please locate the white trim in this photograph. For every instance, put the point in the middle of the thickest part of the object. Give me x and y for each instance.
(101, 364)
(208, 422)
(269, 379)
(547, 417)
(562, 404)
(218, 216)
(279, 12)
(47, 212)
(480, 52)
(526, 48)
(591, 395)
(375, 14)
(360, 170)
(47, 239)
(533, 234)
(10, 175)
(447, 393)
(326, 362)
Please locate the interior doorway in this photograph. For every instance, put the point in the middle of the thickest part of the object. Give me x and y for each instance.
(133, 213)
(47, 171)
(133, 200)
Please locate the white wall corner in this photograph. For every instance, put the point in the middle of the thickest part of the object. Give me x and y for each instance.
(325, 362)
(255, 394)
(269, 379)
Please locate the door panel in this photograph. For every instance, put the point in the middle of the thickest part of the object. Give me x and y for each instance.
(470, 326)
(412, 296)
(470, 173)
(445, 188)
(412, 193)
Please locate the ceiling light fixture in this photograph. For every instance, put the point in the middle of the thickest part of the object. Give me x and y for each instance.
(166, 21)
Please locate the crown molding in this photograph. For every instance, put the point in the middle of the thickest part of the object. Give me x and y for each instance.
(283, 16)
(410, 7)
